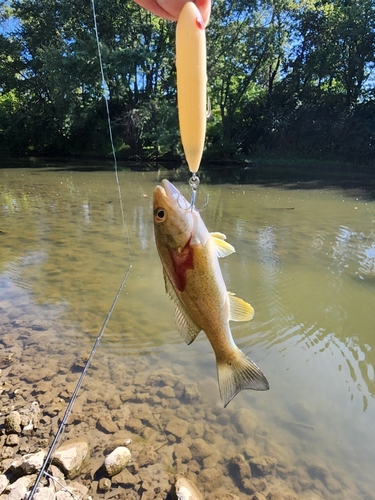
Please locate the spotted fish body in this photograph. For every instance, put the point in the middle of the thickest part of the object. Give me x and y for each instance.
(193, 278)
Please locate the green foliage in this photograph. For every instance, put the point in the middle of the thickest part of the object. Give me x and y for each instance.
(283, 77)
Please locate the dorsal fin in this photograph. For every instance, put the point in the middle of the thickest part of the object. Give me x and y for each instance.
(239, 310)
(222, 248)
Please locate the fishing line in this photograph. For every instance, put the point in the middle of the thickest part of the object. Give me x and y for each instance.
(64, 421)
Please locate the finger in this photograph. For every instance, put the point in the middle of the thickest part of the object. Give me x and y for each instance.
(155, 8)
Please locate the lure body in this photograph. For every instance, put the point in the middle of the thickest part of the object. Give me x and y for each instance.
(191, 83)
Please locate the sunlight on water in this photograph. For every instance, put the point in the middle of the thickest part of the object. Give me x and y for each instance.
(305, 260)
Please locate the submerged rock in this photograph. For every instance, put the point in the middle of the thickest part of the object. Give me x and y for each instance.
(262, 466)
(116, 461)
(177, 427)
(183, 489)
(200, 450)
(147, 456)
(241, 471)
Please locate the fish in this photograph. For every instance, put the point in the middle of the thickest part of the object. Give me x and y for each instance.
(189, 255)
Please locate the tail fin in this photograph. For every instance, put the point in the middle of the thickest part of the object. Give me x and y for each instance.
(238, 374)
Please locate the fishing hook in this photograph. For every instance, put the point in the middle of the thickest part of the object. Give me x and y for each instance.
(194, 183)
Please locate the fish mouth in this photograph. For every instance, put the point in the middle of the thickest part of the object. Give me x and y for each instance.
(173, 193)
(170, 190)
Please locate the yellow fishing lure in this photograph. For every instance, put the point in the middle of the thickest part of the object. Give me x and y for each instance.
(191, 83)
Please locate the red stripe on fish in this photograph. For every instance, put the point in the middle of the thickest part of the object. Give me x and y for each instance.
(182, 261)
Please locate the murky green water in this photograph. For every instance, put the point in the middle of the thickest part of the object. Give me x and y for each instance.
(305, 260)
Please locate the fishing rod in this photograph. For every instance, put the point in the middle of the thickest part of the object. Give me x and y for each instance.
(68, 410)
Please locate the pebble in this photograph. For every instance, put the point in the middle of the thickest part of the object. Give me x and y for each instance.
(104, 484)
(116, 461)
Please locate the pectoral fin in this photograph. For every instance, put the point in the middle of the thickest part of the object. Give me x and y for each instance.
(239, 310)
(185, 326)
(222, 248)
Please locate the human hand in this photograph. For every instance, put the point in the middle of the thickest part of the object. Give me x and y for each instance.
(170, 9)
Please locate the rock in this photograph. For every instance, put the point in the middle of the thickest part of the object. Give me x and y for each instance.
(114, 402)
(147, 418)
(191, 393)
(258, 496)
(3, 482)
(222, 496)
(166, 392)
(30, 416)
(200, 450)
(177, 427)
(182, 452)
(245, 421)
(209, 475)
(183, 489)
(263, 465)
(12, 423)
(211, 460)
(241, 471)
(106, 425)
(125, 479)
(12, 440)
(20, 487)
(104, 484)
(147, 456)
(8, 452)
(44, 494)
(28, 464)
(72, 456)
(135, 425)
(116, 461)
(78, 490)
(115, 444)
(145, 478)
(278, 495)
(57, 479)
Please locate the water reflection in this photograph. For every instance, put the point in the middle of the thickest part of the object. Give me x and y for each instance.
(304, 259)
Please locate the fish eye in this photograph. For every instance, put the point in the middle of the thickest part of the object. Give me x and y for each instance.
(160, 215)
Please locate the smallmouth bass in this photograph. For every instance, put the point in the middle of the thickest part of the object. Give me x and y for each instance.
(193, 279)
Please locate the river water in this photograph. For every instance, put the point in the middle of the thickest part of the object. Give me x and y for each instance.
(305, 260)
